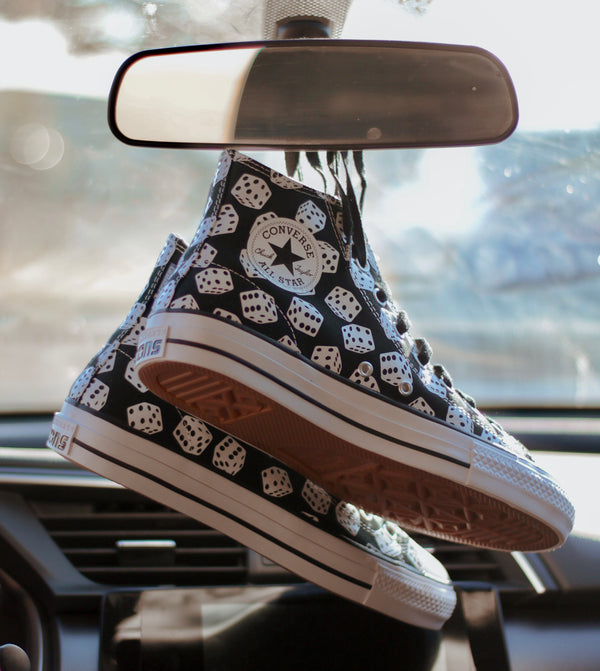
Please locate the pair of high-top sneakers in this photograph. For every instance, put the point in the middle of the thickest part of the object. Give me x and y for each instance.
(267, 384)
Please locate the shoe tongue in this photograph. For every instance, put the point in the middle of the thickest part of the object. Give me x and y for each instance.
(167, 261)
(129, 330)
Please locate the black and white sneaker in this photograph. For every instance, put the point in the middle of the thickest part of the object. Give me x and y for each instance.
(111, 424)
(278, 328)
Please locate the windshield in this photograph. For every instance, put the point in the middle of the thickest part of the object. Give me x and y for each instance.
(493, 251)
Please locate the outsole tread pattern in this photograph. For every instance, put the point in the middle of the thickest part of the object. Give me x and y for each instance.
(413, 498)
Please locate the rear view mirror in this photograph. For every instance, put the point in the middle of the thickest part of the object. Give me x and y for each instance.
(303, 94)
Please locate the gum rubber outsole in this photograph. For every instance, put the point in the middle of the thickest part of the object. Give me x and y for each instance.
(415, 499)
(426, 474)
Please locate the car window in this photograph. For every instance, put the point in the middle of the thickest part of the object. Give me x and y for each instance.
(493, 251)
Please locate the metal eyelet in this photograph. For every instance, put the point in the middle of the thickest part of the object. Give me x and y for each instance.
(405, 388)
(380, 296)
(366, 268)
(365, 368)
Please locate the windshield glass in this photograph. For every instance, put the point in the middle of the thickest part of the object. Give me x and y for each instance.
(493, 251)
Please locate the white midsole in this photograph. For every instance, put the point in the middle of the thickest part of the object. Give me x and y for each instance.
(180, 472)
(327, 402)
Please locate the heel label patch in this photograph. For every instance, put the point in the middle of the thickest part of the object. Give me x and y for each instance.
(152, 344)
(61, 435)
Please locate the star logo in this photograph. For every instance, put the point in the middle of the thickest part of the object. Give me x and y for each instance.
(285, 253)
(284, 256)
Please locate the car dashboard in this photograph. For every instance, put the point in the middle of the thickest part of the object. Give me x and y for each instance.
(94, 576)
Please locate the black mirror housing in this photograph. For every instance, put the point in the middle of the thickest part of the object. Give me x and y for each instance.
(313, 94)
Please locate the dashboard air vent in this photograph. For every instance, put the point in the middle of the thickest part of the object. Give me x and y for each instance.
(117, 537)
(129, 540)
(466, 563)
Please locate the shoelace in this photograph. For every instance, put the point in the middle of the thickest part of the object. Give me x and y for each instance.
(406, 548)
(375, 523)
(398, 537)
(352, 220)
(424, 351)
(353, 231)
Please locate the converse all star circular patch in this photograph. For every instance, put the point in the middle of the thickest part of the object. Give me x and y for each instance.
(285, 253)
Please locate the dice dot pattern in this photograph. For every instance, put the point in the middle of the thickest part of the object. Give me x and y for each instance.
(276, 482)
(214, 281)
(266, 216)
(339, 225)
(106, 359)
(316, 497)
(81, 383)
(185, 264)
(361, 277)
(145, 417)
(348, 517)
(192, 435)
(458, 417)
(187, 302)
(356, 320)
(205, 257)
(421, 405)
(289, 343)
(490, 437)
(343, 303)
(251, 191)
(395, 369)
(248, 267)
(226, 222)
(327, 357)
(358, 338)
(258, 306)
(311, 216)
(163, 300)
(329, 257)
(226, 314)
(136, 331)
(388, 321)
(167, 251)
(133, 378)
(242, 158)
(203, 230)
(134, 314)
(433, 382)
(304, 316)
(95, 395)
(368, 381)
(229, 456)
(283, 181)
(222, 167)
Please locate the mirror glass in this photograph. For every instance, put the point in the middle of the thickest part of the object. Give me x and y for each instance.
(301, 94)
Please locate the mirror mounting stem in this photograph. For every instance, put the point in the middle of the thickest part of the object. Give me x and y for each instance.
(294, 29)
